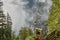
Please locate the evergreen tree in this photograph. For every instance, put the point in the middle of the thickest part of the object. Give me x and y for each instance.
(54, 17)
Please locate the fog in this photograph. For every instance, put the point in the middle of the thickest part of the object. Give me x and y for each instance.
(24, 12)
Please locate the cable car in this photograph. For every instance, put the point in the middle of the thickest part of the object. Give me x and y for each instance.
(38, 36)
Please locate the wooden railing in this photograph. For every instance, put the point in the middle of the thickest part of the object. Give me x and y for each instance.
(55, 35)
(51, 36)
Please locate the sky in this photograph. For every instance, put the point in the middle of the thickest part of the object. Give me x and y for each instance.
(16, 11)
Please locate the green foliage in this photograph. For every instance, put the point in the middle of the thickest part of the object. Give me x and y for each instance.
(30, 38)
(24, 33)
(54, 17)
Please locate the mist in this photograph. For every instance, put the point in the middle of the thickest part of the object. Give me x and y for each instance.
(27, 12)
(38, 13)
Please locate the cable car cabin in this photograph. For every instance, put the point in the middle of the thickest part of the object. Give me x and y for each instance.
(38, 36)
